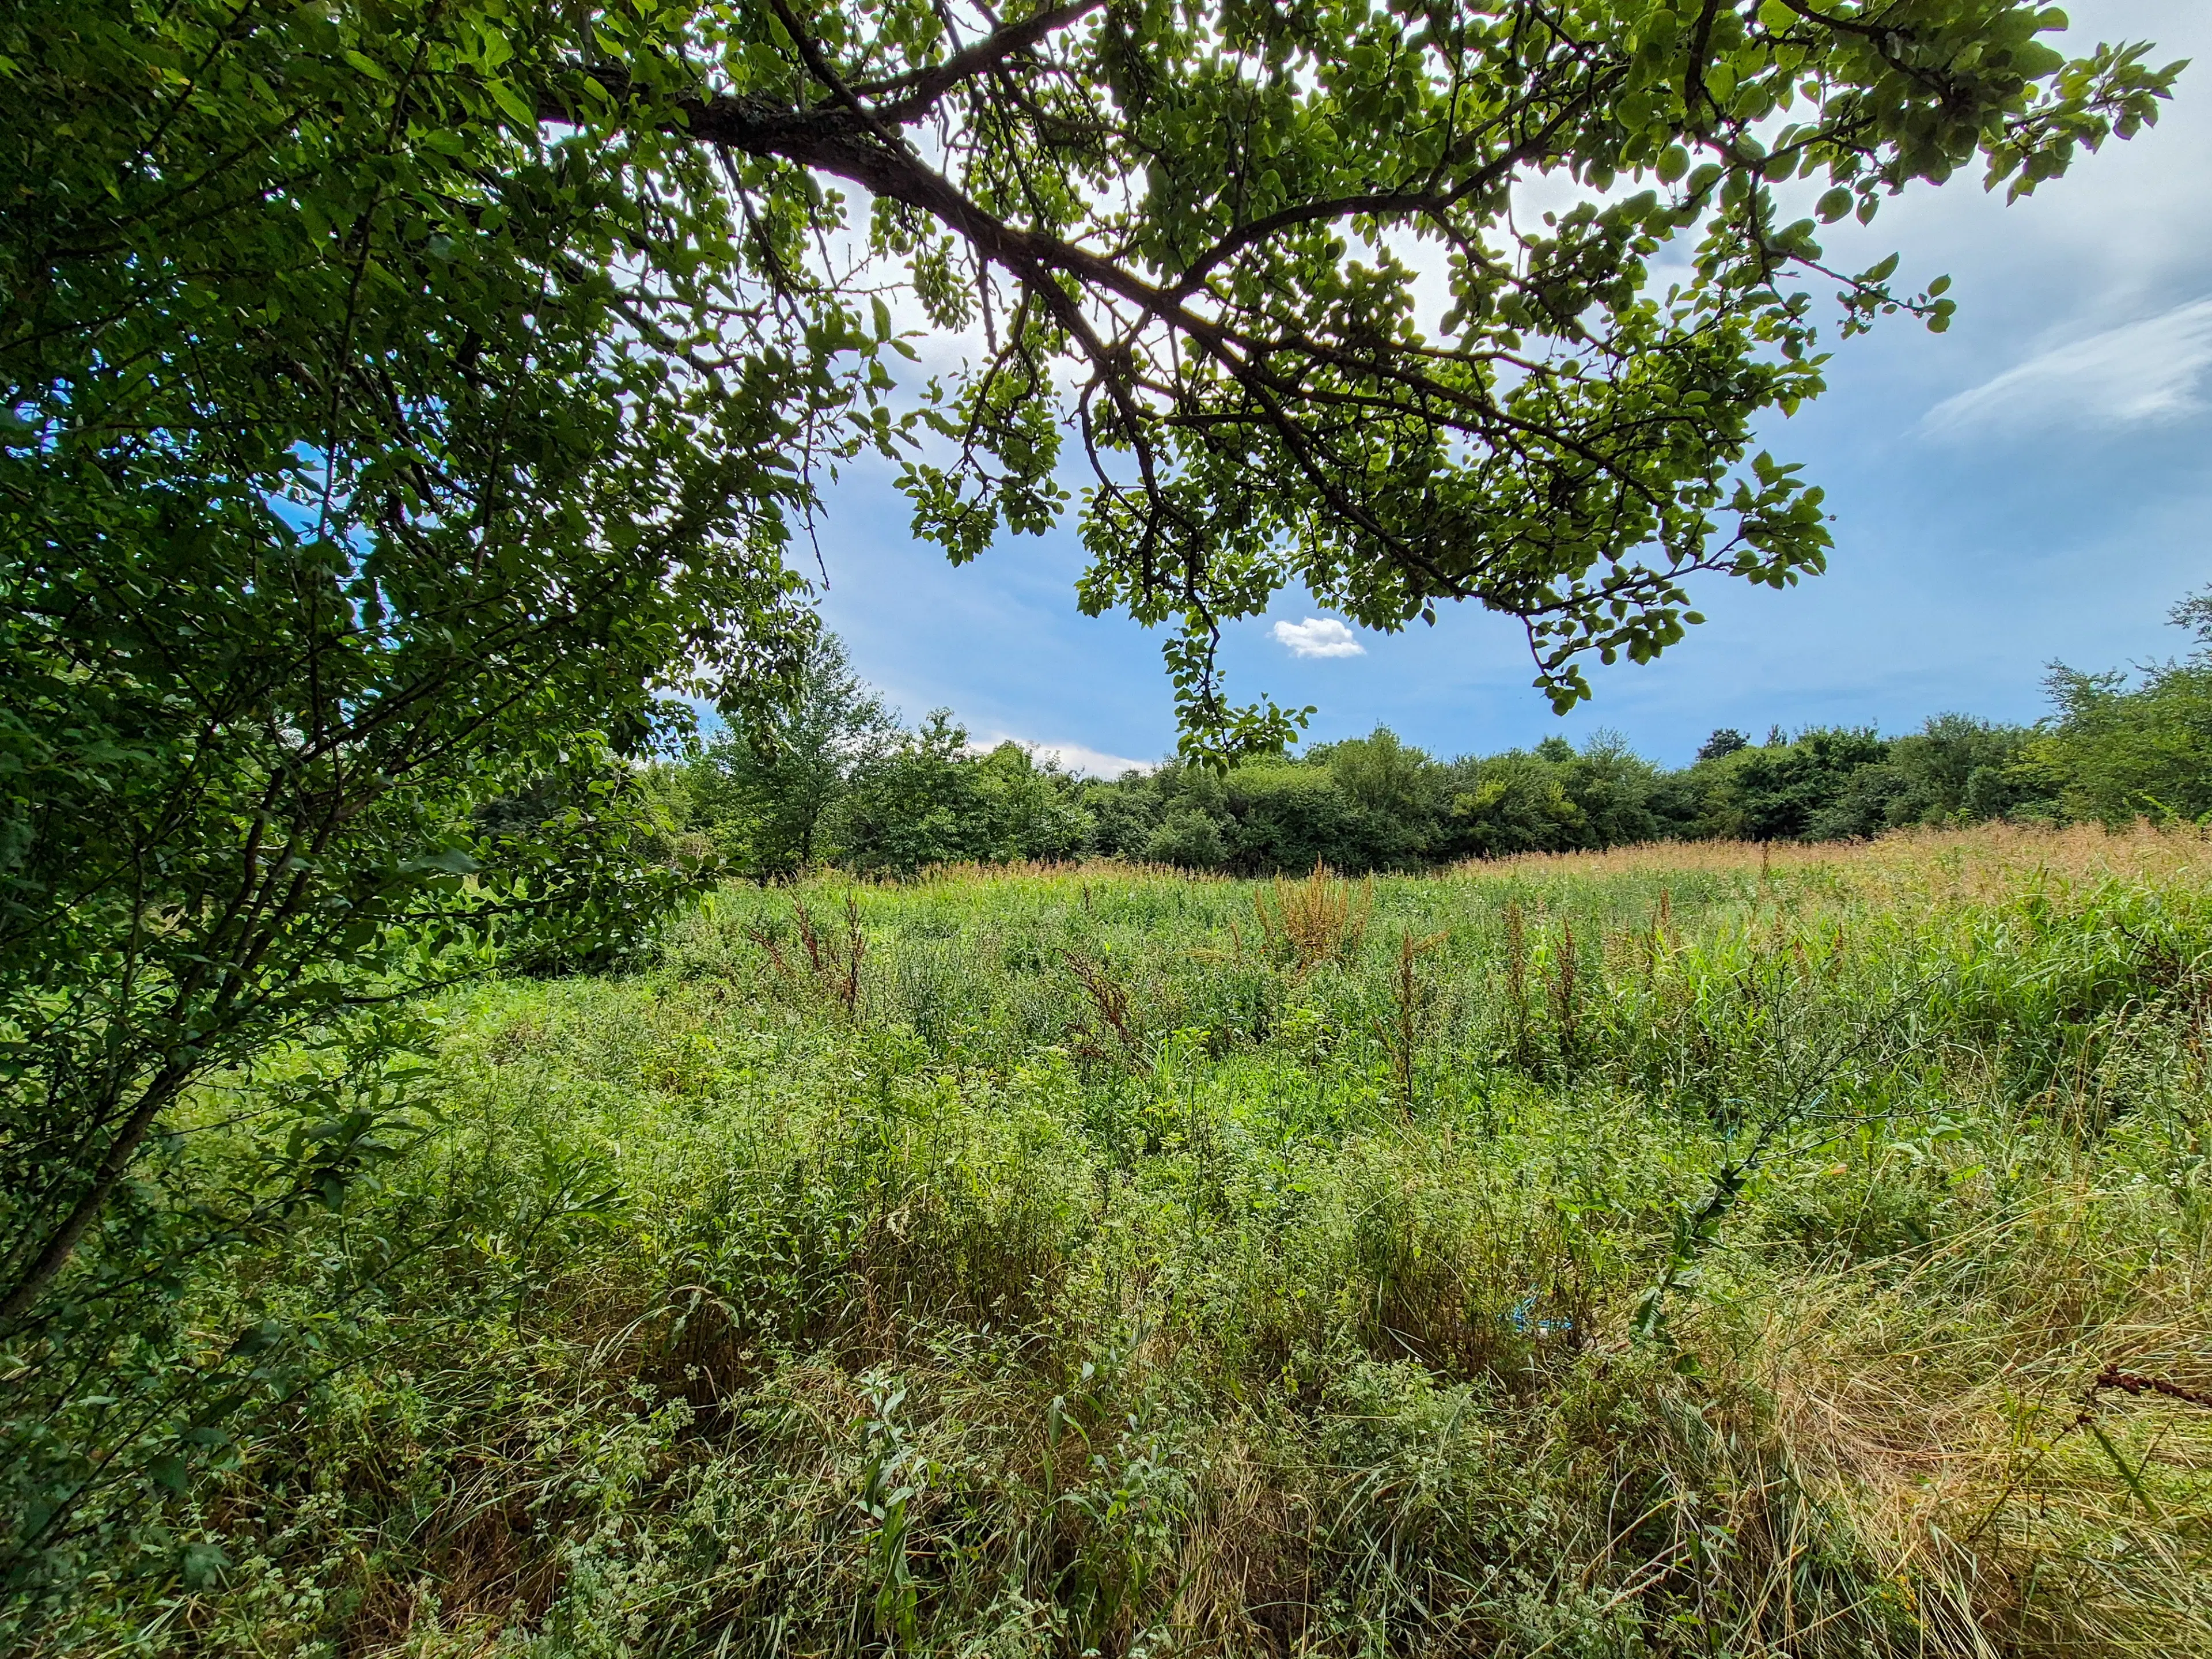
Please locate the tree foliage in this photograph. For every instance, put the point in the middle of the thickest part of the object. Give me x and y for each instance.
(770, 781)
(2110, 752)
(370, 455)
(2116, 752)
(931, 800)
(1196, 234)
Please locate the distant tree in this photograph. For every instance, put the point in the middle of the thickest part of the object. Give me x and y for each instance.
(1125, 811)
(1279, 816)
(1396, 790)
(1725, 741)
(1190, 836)
(1615, 789)
(765, 784)
(929, 800)
(1955, 769)
(1514, 802)
(1553, 797)
(916, 806)
(1378, 772)
(1027, 810)
(1779, 790)
(1962, 769)
(2113, 752)
(1363, 804)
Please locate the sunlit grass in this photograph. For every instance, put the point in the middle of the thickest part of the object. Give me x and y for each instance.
(1676, 1250)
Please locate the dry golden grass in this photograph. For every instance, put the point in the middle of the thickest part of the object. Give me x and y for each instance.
(1318, 919)
(1979, 860)
(1975, 861)
(1030, 870)
(1955, 1414)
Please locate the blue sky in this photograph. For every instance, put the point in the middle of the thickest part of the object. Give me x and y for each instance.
(2033, 485)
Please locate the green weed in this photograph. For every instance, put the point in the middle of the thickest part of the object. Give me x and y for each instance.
(1537, 1260)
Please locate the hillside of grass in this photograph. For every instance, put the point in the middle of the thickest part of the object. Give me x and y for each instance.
(1707, 1250)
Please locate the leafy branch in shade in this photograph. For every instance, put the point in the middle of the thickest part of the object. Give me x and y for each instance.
(1198, 237)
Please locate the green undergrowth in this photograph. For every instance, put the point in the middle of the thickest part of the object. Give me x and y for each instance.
(1643, 1261)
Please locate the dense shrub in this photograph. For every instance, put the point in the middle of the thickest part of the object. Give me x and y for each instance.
(852, 789)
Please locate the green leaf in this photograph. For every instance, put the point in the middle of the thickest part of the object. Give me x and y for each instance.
(450, 860)
(512, 102)
(201, 1563)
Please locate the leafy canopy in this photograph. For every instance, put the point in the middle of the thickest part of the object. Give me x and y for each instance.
(2117, 752)
(1264, 263)
(766, 783)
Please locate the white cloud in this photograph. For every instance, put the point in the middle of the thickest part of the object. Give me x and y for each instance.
(1319, 637)
(1075, 757)
(2151, 370)
(1091, 762)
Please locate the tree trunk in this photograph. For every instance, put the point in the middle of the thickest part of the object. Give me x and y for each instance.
(59, 1247)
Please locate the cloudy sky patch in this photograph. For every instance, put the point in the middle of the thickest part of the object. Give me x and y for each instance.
(1318, 636)
(2145, 371)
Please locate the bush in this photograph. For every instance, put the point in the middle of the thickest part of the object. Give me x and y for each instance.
(1187, 837)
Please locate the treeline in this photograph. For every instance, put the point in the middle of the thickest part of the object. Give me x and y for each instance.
(838, 780)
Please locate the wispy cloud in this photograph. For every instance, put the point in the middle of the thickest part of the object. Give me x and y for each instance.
(2148, 371)
(1091, 762)
(1319, 637)
(1075, 757)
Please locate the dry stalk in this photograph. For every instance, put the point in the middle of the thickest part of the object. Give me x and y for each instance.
(1412, 1002)
(1565, 1003)
(832, 965)
(1111, 999)
(1318, 919)
(2135, 1382)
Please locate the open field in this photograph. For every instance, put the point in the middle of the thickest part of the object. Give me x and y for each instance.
(1693, 1250)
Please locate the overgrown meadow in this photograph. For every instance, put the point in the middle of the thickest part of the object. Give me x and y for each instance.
(1702, 1250)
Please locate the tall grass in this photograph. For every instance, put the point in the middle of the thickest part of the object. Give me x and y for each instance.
(1694, 1251)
